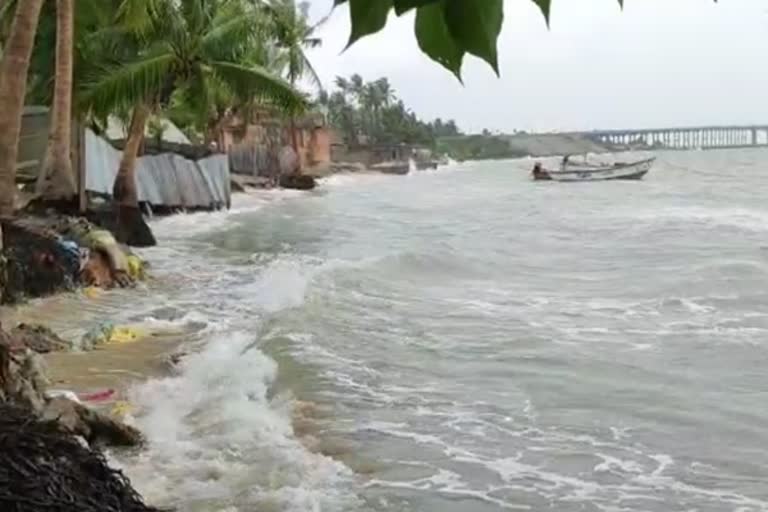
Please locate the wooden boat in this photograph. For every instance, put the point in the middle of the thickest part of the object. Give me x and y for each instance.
(618, 171)
(426, 165)
(394, 167)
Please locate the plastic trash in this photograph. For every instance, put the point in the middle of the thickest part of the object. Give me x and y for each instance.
(125, 335)
(98, 396)
(62, 393)
(121, 409)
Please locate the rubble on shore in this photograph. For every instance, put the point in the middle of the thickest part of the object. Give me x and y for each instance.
(46, 254)
(49, 442)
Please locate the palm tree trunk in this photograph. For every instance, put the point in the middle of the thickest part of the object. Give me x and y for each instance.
(292, 127)
(57, 180)
(13, 86)
(130, 227)
(295, 144)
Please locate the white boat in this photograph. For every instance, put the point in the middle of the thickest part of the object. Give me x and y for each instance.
(618, 171)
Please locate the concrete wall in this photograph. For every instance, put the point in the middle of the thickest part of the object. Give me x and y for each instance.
(313, 139)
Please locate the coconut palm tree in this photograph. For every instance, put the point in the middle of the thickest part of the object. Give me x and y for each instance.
(188, 47)
(56, 180)
(62, 28)
(294, 34)
(13, 85)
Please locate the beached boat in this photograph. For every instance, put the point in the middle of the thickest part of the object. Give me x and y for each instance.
(618, 171)
(394, 167)
(426, 165)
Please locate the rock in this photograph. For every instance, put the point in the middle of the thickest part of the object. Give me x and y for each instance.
(288, 161)
(96, 336)
(39, 338)
(298, 181)
(23, 377)
(93, 426)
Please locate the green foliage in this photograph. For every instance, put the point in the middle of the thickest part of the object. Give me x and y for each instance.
(371, 113)
(446, 30)
(203, 51)
(483, 146)
(197, 59)
(293, 33)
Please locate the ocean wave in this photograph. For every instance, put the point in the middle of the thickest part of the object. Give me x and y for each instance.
(748, 219)
(217, 436)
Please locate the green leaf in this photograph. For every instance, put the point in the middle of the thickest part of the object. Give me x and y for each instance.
(403, 6)
(475, 26)
(435, 40)
(368, 17)
(545, 5)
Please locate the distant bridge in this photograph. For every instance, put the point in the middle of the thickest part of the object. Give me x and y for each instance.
(703, 137)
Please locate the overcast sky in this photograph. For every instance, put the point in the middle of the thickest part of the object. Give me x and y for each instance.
(660, 63)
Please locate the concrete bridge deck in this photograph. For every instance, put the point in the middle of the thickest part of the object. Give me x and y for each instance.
(694, 137)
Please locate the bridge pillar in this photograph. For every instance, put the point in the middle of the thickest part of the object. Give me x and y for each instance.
(754, 136)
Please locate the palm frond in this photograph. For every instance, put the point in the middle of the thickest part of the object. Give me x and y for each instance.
(229, 33)
(311, 73)
(136, 15)
(127, 85)
(257, 83)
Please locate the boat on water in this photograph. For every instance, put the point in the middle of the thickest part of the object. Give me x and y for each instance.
(580, 172)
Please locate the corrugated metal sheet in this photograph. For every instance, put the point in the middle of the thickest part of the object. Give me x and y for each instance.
(253, 160)
(167, 180)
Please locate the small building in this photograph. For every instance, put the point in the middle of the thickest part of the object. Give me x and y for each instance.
(255, 142)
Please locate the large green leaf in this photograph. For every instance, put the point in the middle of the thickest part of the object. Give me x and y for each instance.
(403, 6)
(545, 5)
(435, 40)
(475, 26)
(367, 16)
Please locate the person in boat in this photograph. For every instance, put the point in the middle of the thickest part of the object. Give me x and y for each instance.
(539, 173)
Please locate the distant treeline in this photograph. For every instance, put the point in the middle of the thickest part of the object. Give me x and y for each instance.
(485, 146)
(371, 113)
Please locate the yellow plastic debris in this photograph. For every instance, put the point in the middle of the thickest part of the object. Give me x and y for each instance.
(121, 409)
(136, 268)
(92, 292)
(125, 335)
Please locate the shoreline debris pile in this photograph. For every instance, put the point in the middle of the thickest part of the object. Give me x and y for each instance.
(43, 255)
(45, 469)
(49, 444)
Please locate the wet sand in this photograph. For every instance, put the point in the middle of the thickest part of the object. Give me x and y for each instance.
(112, 366)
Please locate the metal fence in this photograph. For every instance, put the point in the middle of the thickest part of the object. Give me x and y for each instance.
(165, 180)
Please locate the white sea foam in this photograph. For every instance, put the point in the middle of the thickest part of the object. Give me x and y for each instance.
(743, 218)
(216, 436)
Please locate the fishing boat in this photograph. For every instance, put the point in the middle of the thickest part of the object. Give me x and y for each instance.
(580, 172)
(393, 167)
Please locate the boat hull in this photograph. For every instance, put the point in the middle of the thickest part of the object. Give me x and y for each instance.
(399, 168)
(631, 171)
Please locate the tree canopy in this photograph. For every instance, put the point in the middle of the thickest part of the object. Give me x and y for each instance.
(371, 112)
